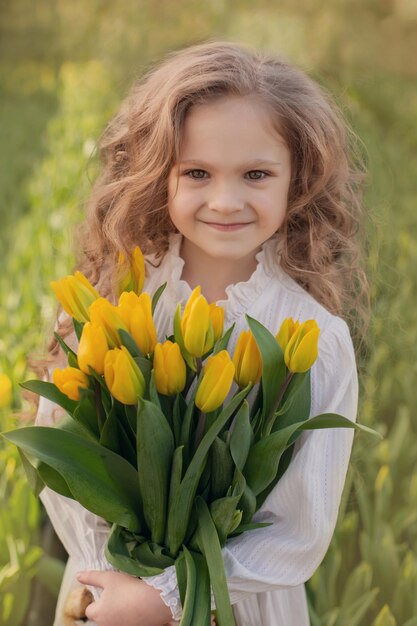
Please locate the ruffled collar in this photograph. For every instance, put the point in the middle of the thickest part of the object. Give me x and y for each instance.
(239, 295)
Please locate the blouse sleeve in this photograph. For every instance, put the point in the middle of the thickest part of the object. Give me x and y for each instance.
(303, 507)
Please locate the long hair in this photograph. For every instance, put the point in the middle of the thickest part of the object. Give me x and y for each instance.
(322, 232)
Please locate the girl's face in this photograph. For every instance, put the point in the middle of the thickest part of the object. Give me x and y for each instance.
(228, 192)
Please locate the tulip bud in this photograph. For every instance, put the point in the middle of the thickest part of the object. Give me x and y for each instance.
(302, 348)
(134, 278)
(169, 368)
(123, 377)
(247, 360)
(92, 348)
(76, 294)
(69, 381)
(5, 391)
(136, 312)
(216, 382)
(103, 313)
(217, 320)
(288, 328)
(196, 326)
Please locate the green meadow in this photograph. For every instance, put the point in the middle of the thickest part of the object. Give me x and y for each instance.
(64, 67)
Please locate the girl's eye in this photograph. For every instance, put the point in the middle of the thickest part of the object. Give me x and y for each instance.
(196, 174)
(256, 175)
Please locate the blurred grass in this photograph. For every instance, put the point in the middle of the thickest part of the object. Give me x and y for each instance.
(64, 67)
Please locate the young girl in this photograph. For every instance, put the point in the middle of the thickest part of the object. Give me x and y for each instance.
(231, 170)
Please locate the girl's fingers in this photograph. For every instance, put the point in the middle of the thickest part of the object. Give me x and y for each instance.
(93, 578)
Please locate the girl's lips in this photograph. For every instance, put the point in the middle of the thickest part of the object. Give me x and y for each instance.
(227, 227)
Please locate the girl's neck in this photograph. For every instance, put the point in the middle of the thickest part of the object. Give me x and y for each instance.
(215, 274)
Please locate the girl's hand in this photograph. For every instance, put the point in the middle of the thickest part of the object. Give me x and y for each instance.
(125, 600)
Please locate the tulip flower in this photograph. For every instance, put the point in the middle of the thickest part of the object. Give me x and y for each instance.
(302, 348)
(196, 327)
(136, 312)
(217, 320)
(5, 391)
(92, 349)
(123, 377)
(103, 313)
(169, 368)
(76, 294)
(288, 328)
(247, 360)
(69, 381)
(216, 382)
(134, 278)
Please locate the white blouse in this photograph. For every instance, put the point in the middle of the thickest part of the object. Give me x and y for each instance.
(265, 568)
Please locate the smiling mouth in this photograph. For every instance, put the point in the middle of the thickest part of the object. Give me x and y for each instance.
(227, 226)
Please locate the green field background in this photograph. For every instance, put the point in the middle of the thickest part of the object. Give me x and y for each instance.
(64, 67)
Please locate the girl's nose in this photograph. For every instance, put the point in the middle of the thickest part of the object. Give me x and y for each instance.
(225, 199)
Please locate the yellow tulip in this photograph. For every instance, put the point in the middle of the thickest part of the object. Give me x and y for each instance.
(247, 360)
(216, 382)
(288, 328)
(123, 377)
(169, 368)
(69, 381)
(133, 278)
(103, 313)
(76, 294)
(92, 348)
(217, 320)
(136, 312)
(302, 348)
(5, 391)
(196, 327)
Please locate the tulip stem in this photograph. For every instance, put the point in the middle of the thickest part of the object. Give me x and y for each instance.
(199, 431)
(271, 417)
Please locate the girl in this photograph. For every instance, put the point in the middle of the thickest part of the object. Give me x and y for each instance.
(231, 170)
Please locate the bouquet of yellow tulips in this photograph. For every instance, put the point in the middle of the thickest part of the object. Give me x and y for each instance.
(159, 438)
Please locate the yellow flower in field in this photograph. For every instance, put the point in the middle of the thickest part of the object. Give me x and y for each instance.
(123, 377)
(136, 312)
(132, 278)
(196, 326)
(169, 368)
(5, 391)
(76, 294)
(247, 360)
(103, 313)
(302, 348)
(92, 349)
(69, 380)
(216, 382)
(217, 320)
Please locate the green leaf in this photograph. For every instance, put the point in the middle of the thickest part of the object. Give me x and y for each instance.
(155, 449)
(158, 293)
(273, 365)
(130, 344)
(86, 412)
(242, 528)
(49, 391)
(241, 437)
(222, 468)
(333, 420)
(223, 342)
(222, 512)
(176, 474)
(78, 328)
(189, 600)
(117, 553)
(63, 345)
(152, 555)
(100, 480)
(180, 509)
(202, 602)
(210, 547)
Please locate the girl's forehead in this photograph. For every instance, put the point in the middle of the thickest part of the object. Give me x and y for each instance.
(233, 124)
